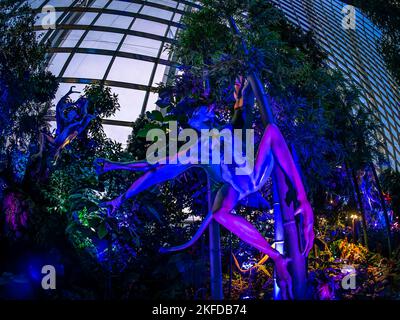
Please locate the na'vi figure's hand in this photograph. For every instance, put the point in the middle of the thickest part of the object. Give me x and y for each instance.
(308, 225)
(284, 278)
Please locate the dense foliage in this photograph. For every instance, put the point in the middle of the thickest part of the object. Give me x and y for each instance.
(25, 85)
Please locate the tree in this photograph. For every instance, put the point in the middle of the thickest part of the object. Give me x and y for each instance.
(391, 186)
(26, 87)
(103, 103)
(357, 131)
(26, 91)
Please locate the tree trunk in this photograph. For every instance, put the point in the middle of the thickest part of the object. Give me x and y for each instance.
(214, 242)
(215, 252)
(361, 207)
(215, 261)
(384, 208)
(297, 267)
(230, 267)
(279, 233)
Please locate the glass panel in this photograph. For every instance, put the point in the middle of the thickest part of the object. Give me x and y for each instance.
(172, 32)
(124, 6)
(159, 75)
(72, 38)
(131, 71)
(169, 3)
(147, 47)
(149, 27)
(99, 3)
(390, 148)
(87, 66)
(53, 126)
(131, 102)
(102, 40)
(40, 35)
(165, 53)
(60, 3)
(35, 3)
(119, 134)
(87, 18)
(155, 12)
(113, 20)
(177, 17)
(57, 63)
(151, 104)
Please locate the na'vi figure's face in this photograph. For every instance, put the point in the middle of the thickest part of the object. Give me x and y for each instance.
(72, 115)
(202, 118)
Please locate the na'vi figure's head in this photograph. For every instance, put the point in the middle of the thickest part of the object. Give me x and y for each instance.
(202, 118)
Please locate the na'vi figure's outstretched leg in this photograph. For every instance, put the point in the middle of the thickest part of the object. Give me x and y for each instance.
(225, 201)
(273, 140)
(157, 175)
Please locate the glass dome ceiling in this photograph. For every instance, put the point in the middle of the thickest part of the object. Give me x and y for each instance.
(121, 43)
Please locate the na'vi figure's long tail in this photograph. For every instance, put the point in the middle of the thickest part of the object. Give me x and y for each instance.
(191, 242)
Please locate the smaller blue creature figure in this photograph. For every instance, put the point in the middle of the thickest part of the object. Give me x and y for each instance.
(72, 119)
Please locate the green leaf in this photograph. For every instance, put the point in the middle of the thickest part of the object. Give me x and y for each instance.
(142, 133)
(102, 231)
(156, 116)
(169, 117)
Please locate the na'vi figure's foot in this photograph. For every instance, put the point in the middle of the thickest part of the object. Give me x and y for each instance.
(101, 166)
(284, 278)
(112, 206)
